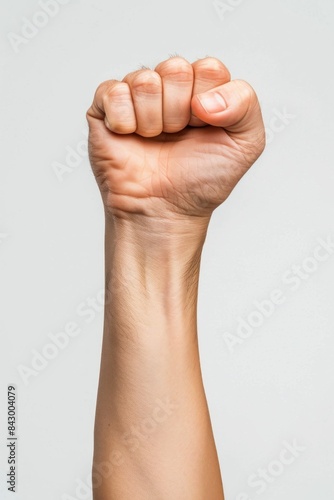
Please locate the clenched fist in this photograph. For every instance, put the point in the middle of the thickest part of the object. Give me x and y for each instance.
(174, 141)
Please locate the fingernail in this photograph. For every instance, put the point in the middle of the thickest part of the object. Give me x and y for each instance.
(212, 102)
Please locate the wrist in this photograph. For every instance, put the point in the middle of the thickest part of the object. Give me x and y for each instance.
(156, 262)
(170, 239)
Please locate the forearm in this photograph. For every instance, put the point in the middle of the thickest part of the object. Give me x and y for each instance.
(151, 411)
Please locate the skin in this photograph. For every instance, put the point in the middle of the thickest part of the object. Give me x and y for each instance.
(167, 146)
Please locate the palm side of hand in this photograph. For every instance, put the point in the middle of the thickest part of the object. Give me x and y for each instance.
(190, 172)
(187, 172)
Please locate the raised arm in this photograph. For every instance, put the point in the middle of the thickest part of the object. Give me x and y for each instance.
(167, 147)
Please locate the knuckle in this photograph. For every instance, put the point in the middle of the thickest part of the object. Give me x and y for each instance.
(180, 75)
(116, 92)
(146, 82)
(176, 68)
(213, 68)
(104, 87)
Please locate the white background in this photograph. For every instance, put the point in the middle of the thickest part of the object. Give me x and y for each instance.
(273, 388)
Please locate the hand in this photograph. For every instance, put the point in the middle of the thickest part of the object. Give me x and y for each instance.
(174, 141)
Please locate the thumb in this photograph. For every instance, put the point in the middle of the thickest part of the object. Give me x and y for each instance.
(233, 106)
